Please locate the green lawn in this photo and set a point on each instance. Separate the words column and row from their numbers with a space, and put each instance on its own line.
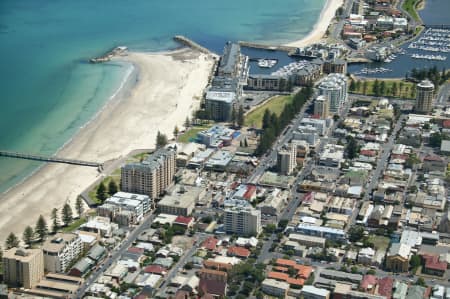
column 74, row 225
column 114, row 176
column 407, row 91
column 275, row 104
column 192, row 133
column 410, row 7
column 380, row 242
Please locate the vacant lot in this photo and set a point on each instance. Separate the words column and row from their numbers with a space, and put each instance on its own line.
column 275, row 104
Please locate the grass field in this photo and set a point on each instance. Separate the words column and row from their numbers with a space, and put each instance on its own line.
column 74, row 225
column 380, row 242
column 114, row 176
column 192, row 133
column 275, row 104
column 410, row 7
column 407, row 91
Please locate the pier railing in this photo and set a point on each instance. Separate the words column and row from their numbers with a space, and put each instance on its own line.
column 18, row 155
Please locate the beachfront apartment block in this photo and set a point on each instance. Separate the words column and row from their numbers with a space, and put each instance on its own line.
column 60, row 250
column 137, row 204
column 334, row 87
column 219, row 104
column 23, row 267
column 424, row 96
column 151, row 176
column 242, row 220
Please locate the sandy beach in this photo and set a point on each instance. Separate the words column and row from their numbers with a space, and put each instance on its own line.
column 320, row 28
column 166, row 88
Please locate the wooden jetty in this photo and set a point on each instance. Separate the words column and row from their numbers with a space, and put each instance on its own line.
column 53, row 159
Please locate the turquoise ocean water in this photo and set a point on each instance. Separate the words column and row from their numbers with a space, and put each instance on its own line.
column 48, row 91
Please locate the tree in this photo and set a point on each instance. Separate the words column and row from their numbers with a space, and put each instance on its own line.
column 435, row 139
column 352, row 148
column 421, row 282
column 79, row 205
column 233, row 116
column 355, row 233
column 11, row 241
column 28, row 235
column 414, row 262
column 101, row 192
column 266, row 119
column 376, row 88
column 112, row 188
column 352, row 86
column 161, row 140
column 187, row 122
column 67, row 214
column 240, row 116
column 176, row 131
column 394, row 89
column 382, row 87
column 365, row 86
column 41, row 227
column 55, row 222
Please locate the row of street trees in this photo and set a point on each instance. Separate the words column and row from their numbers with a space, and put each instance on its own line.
column 41, row 231
column 381, row 88
column 431, row 73
column 273, row 125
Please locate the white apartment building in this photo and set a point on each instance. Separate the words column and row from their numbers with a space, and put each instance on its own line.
column 286, row 159
column 242, row 220
column 135, row 203
column 334, row 87
column 60, row 251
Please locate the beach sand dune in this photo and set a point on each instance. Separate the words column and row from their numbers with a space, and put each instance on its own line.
column 166, row 88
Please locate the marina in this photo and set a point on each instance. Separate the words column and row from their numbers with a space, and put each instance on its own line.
column 291, row 68
column 368, row 71
column 433, row 40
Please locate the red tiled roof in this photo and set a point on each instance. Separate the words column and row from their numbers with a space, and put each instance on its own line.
column 432, row 158
column 210, row 243
column 217, row 265
column 303, row 271
column 368, row 153
column 251, row 189
column 136, row 250
column 368, row 280
column 285, row 262
column 213, row 287
column 277, row 275
column 385, row 286
column 183, row 220
column 238, row 251
column 155, row 269
column 446, row 123
column 432, row 262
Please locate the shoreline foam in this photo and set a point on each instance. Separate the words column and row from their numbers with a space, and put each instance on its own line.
column 84, row 177
column 167, row 82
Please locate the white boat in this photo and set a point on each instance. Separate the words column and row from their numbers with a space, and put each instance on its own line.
column 267, row 63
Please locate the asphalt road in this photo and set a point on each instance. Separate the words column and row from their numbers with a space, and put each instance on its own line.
column 115, row 255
